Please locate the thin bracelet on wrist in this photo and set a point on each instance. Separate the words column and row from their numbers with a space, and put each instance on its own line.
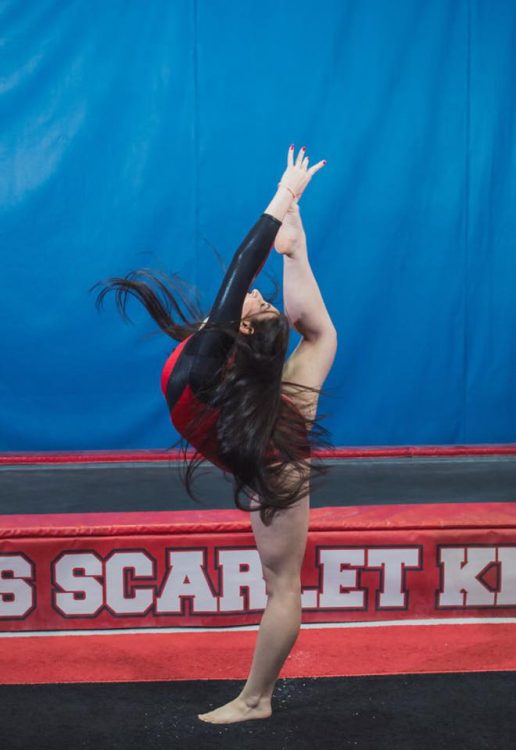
column 280, row 184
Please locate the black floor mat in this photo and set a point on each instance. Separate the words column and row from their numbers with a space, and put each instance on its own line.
column 470, row 711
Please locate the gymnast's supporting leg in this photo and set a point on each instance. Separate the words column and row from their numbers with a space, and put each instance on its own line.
column 281, row 547
column 278, row 632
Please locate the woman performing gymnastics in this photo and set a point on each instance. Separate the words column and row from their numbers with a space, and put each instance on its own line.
column 233, row 397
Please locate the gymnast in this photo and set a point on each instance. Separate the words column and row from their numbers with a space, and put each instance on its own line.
column 233, row 397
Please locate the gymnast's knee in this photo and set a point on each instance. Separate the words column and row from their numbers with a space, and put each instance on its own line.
column 282, row 585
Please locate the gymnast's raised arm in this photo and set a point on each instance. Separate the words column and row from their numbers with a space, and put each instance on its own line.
column 250, row 258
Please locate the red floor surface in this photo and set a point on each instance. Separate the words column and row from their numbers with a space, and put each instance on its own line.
column 326, row 652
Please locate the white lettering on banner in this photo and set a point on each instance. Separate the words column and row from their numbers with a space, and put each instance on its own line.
column 234, row 579
column 125, row 582
column 507, row 567
column 461, row 568
column 339, row 570
column 187, row 577
column 75, row 575
column 123, row 597
column 393, row 563
column 17, row 589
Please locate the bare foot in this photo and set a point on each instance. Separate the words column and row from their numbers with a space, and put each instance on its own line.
column 237, row 710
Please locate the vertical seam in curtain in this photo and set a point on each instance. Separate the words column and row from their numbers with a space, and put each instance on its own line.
column 467, row 198
column 195, row 176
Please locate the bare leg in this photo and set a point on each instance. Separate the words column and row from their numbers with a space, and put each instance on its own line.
column 281, row 547
column 278, row 632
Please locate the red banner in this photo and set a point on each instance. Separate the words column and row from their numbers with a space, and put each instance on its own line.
column 201, row 569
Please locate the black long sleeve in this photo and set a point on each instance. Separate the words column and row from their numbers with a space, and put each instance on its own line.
column 210, row 348
column 245, row 267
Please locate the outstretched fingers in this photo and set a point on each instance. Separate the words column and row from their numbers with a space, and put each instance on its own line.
column 316, row 167
column 297, row 169
column 302, row 161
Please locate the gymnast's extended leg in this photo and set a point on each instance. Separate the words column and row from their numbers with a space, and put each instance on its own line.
column 281, row 547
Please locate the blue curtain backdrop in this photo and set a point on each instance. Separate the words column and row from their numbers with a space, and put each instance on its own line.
column 152, row 134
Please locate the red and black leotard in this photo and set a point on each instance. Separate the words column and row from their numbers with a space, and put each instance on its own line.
column 198, row 359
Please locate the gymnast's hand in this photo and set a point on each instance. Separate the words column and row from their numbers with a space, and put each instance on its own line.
column 297, row 175
column 291, row 236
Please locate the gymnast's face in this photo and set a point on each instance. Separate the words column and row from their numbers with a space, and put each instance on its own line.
column 255, row 308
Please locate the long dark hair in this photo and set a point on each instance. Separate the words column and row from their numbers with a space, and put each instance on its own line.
column 266, row 442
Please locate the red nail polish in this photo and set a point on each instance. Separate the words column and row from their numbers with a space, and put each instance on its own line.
column 303, row 148
column 292, row 146
column 324, row 161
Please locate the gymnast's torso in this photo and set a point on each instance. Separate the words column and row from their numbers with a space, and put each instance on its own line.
column 184, row 404
column 199, row 359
